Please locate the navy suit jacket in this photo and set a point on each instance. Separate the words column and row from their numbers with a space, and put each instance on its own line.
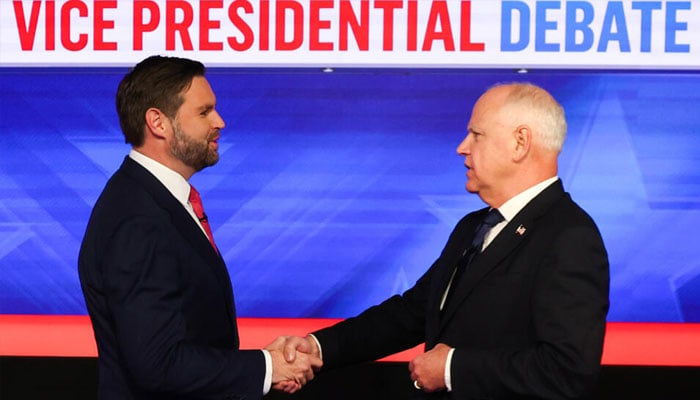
column 527, row 318
column 160, row 299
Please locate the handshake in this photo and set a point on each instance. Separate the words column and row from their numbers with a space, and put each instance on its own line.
column 294, row 361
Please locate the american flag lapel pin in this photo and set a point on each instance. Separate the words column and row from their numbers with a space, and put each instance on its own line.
column 520, row 231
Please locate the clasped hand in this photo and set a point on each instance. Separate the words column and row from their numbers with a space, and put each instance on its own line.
column 294, row 360
column 428, row 369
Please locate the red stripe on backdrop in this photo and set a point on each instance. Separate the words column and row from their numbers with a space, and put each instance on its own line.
column 658, row 344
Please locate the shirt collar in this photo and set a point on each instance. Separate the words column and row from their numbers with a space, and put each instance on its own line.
column 176, row 184
column 512, row 207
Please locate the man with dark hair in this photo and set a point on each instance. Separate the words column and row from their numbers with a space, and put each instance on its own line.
column 515, row 305
column 156, row 82
column 157, row 290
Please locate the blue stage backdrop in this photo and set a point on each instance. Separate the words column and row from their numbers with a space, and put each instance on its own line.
column 338, row 189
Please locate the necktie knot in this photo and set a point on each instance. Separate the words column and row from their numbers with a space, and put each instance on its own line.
column 492, row 218
column 196, row 202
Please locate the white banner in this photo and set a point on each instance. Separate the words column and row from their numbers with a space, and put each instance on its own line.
column 626, row 34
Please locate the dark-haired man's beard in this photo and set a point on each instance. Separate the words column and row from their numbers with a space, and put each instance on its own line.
column 192, row 152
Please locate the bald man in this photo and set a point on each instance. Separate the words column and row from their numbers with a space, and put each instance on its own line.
column 515, row 305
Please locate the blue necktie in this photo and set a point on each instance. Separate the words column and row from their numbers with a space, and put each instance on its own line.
column 492, row 218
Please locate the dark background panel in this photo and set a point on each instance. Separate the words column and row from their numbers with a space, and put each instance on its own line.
column 27, row 378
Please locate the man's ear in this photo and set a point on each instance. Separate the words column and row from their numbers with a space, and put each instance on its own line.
column 523, row 141
column 157, row 123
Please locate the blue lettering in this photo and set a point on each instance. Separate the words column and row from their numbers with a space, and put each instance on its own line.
column 573, row 26
column 673, row 26
column 614, row 14
column 647, row 8
column 542, row 26
column 507, row 9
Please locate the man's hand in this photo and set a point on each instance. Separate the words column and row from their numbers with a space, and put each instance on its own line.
column 294, row 344
column 428, row 369
column 291, row 369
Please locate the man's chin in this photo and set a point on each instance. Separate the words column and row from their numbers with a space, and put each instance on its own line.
column 208, row 162
column 212, row 158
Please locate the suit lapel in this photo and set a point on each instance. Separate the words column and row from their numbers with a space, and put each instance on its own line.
column 519, row 228
column 449, row 259
column 184, row 224
column 462, row 243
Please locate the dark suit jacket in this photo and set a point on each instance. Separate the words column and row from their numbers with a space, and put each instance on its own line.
column 527, row 318
column 160, row 299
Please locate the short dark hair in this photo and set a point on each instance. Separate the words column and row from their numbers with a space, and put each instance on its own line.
column 156, row 82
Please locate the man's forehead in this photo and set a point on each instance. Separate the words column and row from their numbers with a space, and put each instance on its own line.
column 199, row 90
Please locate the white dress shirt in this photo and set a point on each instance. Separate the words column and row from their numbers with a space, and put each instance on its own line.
column 176, row 184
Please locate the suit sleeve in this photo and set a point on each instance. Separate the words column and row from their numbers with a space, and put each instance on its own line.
column 144, row 288
column 397, row 324
column 569, row 305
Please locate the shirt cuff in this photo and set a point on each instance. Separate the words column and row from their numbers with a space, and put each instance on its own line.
column 318, row 345
column 267, row 384
column 448, row 369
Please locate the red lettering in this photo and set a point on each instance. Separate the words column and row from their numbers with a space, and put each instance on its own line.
column 412, row 26
column 66, row 41
column 388, row 7
column 171, row 26
column 206, row 24
column 465, row 43
column 101, row 25
column 27, row 33
column 316, row 24
column 50, row 25
column 298, row 34
column 439, row 11
column 264, row 25
column 247, row 32
column 139, row 25
column 360, row 30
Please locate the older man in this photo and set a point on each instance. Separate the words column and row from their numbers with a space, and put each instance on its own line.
column 515, row 305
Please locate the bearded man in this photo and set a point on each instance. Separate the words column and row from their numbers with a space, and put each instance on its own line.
column 157, row 290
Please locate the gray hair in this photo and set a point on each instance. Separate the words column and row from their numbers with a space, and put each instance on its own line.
column 547, row 113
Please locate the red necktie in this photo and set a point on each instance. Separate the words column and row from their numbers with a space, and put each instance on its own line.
column 196, row 202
